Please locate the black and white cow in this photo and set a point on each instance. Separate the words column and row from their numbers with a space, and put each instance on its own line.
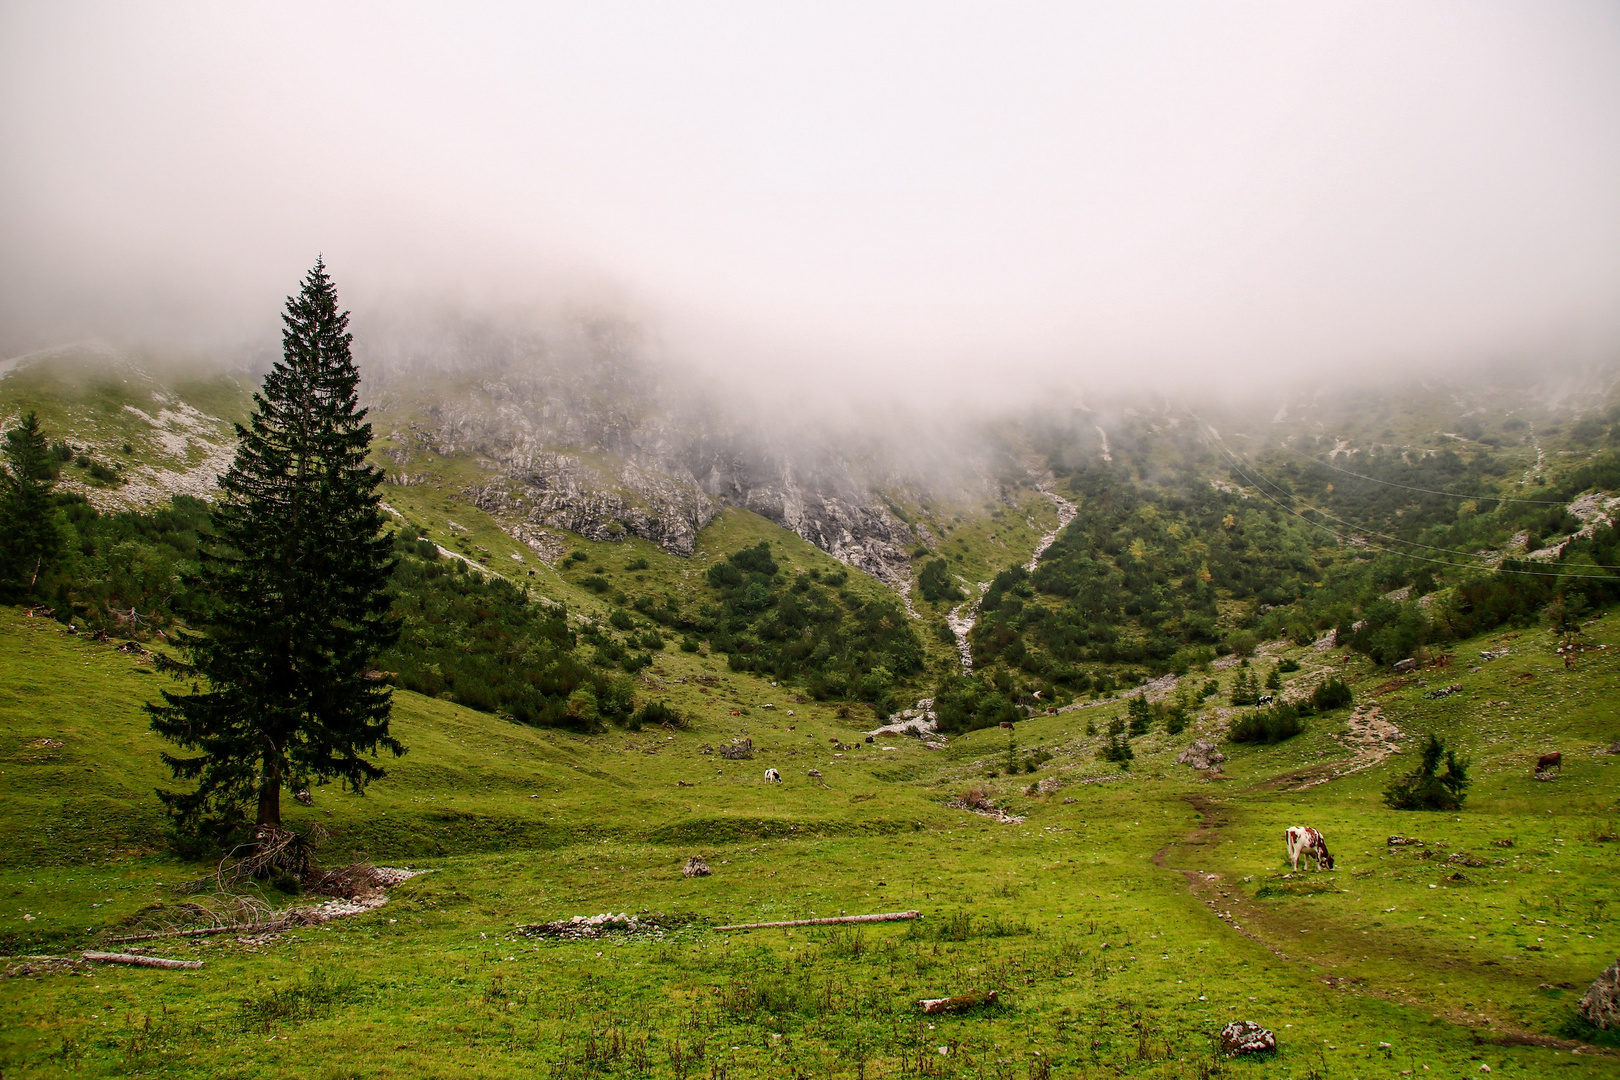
column 1306, row 843
column 772, row 776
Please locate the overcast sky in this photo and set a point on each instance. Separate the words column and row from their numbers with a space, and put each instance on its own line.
column 1039, row 193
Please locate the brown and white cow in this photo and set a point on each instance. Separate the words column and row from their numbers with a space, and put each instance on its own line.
column 1306, row 843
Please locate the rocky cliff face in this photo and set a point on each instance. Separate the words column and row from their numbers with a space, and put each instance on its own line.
column 586, row 438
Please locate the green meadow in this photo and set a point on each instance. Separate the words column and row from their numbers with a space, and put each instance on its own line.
column 1121, row 923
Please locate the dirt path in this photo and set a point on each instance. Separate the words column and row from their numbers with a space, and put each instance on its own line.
column 1209, row 887
column 1244, row 915
column 1370, row 739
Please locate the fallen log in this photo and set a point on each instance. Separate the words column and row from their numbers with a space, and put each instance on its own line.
column 140, row 961
column 890, row 916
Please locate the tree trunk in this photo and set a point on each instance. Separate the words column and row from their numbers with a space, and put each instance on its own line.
column 141, row 961
column 270, row 794
column 888, row 916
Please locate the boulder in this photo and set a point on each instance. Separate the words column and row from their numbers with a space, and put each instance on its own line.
column 1601, row 1003
column 1246, row 1037
column 1614, row 747
column 696, row 866
column 1202, row 754
column 1404, row 666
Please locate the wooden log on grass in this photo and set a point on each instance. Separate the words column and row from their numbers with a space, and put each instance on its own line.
column 889, row 916
column 141, row 961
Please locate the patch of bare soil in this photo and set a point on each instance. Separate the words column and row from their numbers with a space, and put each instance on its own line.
column 1368, row 736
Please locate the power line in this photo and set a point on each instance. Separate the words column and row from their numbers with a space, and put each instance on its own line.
column 1426, row 491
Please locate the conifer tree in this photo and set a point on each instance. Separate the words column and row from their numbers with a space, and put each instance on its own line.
column 30, row 528
column 295, row 606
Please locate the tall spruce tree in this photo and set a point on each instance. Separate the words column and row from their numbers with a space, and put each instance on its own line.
column 295, row 605
column 30, row 526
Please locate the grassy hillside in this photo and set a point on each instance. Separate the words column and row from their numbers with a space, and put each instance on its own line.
column 1105, row 962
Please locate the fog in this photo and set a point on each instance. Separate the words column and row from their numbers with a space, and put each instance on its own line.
column 935, row 201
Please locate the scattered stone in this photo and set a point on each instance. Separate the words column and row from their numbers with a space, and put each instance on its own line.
column 1614, row 747
column 595, row 926
column 960, row 1003
column 1202, row 754
column 1070, row 799
column 696, row 866
column 47, row 965
column 1454, row 688
column 1403, row 841
column 738, row 750
column 1600, row 1005
column 1246, row 1037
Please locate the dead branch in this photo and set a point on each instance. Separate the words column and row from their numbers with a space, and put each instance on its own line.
column 890, row 916
column 140, row 961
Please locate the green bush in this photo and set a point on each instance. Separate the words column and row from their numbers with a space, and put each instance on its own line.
column 1268, row 726
column 1140, row 713
column 596, row 583
column 1118, row 749
column 1426, row 787
column 656, row 714
column 1333, row 693
column 936, row 584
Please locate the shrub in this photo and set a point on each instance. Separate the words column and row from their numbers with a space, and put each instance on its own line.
column 1140, row 713
column 1426, row 787
column 596, row 583
column 1331, row 694
column 620, row 620
column 1268, row 726
column 577, row 556
column 690, row 644
column 638, row 563
column 1118, row 749
column 657, row 714
column 936, row 584
column 1245, row 688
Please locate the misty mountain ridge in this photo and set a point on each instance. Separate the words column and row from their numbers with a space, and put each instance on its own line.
column 577, row 430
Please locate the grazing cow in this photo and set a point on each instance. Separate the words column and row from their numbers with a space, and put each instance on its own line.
column 1549, row 762
column 772, row 776
column 1306, row 843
